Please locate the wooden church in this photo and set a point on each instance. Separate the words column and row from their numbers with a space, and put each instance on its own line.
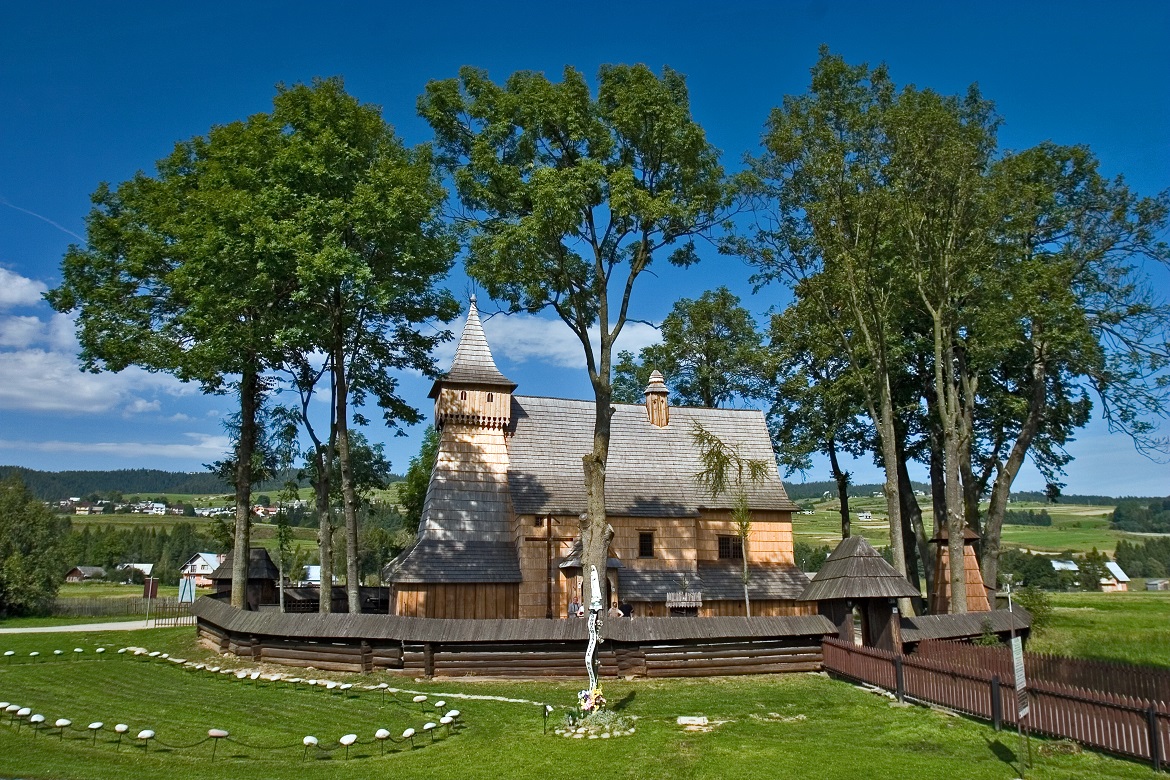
column 499, row 531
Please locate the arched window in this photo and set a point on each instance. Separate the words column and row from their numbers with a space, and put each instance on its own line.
column 462, row 395
column 489, row 398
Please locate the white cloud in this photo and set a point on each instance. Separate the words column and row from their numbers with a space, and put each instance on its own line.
column 180, row 417
column 40, row 380
column 140, row 405
column 523, row 338
column 17, row 290
column 21, row 332
column 200, row 447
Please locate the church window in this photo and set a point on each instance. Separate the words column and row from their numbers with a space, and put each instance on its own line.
column 489, row 398
column 646, row 544
column 462, row 395
column 730, row 548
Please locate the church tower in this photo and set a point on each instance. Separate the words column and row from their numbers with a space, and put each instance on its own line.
column 466, row 550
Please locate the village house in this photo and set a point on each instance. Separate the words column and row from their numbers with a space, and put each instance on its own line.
column 499, row 532
column 199, row 568
column 1115, row 579
column 83, row 573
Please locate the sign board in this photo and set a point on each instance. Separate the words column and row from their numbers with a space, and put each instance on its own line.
column 150, row 588
column 186, row 590
column 1021, row 682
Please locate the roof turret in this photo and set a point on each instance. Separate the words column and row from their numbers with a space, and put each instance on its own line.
column 473, row 363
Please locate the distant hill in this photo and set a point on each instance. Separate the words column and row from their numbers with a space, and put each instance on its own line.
column 806, row 490
column 54, row 485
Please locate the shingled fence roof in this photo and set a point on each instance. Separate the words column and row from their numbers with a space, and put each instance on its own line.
column 342, row 626
column 856, row 571
column 260, row 566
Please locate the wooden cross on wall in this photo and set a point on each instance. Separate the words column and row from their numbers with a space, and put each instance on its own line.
column 548, row 540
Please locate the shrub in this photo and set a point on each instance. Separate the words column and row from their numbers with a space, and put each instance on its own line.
column 1038, row 603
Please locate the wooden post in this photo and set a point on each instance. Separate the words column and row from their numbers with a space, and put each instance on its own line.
column 996, row 704
column 899, row 679
column 1155, row 738
column 428, row 660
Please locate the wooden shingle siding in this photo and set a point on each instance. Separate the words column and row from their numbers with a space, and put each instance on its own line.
column 457, row 600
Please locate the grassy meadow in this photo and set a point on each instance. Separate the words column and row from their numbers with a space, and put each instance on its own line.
column 801, row 725
column 1132, row 627
column 1074, row 527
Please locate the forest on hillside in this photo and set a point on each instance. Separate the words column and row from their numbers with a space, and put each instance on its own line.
column 55, row 485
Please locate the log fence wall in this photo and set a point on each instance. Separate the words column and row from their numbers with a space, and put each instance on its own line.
column 651, row 647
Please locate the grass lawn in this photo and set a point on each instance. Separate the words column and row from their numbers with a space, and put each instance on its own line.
column 1129, row 627
column 1074, row 527
column 799, row 726
column 103, row 590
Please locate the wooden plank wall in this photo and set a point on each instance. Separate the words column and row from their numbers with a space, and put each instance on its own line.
column 458, row 600
column 761, row 608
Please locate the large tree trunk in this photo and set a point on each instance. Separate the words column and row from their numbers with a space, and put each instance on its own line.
column 842, row 480
column 245, row 447
column 323, row 461
column 348, row 489
column 887, row 433
column 1037, row 408
column 916, row 541
column 594, row 543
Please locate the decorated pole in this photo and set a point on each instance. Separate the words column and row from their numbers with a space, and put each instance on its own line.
column 595, row 607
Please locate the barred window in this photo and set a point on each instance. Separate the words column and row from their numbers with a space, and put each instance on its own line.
column 646, row 544
column 730, row 548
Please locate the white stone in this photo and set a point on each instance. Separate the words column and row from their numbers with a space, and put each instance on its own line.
column 692, row 720
column 381, row 734
column 216, row 733
column 146, row 734
column 348, row 739
column 310, row 741
column 121, row 728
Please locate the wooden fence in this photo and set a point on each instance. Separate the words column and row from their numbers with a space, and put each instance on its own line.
column 1126, row 725
column 115, row 607
column 1143, row 682
column 643, row 647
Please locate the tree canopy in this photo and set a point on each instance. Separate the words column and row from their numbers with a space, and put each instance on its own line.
column 32, row 553
column 710, row 354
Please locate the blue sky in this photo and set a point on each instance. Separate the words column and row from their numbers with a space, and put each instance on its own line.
column 94, row 92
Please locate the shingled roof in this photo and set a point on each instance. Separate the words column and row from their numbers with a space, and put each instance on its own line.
column 651, row 470
column 260, row 566
column 856, row 571
column 431, row 560
column 473, row 363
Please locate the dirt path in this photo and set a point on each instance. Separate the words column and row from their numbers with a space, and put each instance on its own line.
column 122, row 625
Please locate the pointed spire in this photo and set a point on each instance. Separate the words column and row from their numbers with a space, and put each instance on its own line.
column 473, row 363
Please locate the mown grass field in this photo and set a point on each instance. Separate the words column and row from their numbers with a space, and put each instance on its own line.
column 1074, row 527
column 800, row 726
column 1131, row 627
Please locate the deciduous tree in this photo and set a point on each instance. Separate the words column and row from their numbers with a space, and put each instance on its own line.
column 569, row 200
